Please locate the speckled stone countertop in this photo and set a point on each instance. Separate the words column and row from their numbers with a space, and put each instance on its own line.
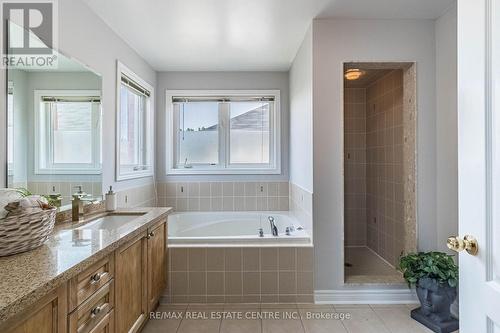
column 27, row 277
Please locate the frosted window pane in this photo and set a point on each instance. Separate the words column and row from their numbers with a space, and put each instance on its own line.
column 72, row 132
column 249, row 132
column 198, row 133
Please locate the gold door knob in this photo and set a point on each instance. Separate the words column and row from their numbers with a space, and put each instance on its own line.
column 469, row 244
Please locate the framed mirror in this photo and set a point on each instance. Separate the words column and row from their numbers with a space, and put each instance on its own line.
column 54, row 121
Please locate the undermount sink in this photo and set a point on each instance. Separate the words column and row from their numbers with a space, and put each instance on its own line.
column 110, row 222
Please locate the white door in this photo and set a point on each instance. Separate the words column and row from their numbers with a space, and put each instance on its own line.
column 479, row 162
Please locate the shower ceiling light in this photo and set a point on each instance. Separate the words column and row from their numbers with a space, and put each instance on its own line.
column 353, row 74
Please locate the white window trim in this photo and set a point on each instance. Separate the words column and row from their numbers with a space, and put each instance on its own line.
column 39, row 170
column 240, row 169
column 122, row 69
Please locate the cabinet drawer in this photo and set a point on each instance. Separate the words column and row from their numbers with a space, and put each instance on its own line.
column 89, row 281
column 89, row 315
column 106, row 325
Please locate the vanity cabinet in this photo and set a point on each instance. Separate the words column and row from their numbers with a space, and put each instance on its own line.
column 131, row 285
column 49, row 315
column 141, row 273
column 157, row 263
column 114, row 294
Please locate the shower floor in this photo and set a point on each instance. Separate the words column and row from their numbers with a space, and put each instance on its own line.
column 365, row 266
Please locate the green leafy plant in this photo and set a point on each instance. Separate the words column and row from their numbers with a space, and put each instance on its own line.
column 26, row 193
column 438, row 266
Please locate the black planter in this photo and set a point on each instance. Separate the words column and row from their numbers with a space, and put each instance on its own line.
column 434, row 311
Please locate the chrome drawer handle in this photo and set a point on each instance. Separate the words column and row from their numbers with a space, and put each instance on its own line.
column 95, row 311
column 95, row 278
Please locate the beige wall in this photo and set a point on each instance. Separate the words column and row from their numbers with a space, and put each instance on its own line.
column 355, row 166
column 385, row 188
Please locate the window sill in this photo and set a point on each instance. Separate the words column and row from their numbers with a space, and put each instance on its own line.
column 68, row 172
column 240, row 171
column 134, row 175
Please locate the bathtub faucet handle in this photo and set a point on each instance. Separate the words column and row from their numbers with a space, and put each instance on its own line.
column 261, row 232
column 287, row 231
column 274, row 229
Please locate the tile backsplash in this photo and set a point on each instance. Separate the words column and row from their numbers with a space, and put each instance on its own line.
column 224, row 196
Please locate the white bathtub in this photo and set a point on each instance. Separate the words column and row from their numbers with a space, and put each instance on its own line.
column 238, row 229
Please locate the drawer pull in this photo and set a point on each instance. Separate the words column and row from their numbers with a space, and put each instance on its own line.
column 95, row 278
column 151, row 234
column 95, row 311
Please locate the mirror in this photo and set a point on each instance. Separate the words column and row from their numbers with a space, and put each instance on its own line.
column 54, row 122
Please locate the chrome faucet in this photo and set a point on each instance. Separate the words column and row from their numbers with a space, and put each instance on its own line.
column 274, row 229
column 77, row 204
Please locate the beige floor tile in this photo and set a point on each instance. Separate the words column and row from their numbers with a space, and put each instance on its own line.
column 199, row 326
column 366, row 266
column 282, row 326
column 241, row 326
column 363, row 320
column 322, row 318
column 397, row 319
column 162, row 326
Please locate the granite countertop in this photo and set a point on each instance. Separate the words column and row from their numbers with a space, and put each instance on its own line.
column 27, row 277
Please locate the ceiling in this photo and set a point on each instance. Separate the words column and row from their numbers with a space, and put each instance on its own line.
column 370, row 75
column 201, row 35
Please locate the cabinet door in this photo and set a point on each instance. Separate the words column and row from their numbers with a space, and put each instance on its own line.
column 157, row 264
column 47, row 316
column 131, row 286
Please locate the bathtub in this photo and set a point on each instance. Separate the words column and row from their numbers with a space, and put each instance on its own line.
column 238, row 229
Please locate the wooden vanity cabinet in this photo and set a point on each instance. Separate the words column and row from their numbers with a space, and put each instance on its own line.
column 49, row 315
column 131, row 303
column 140, row 274
column 157, row 263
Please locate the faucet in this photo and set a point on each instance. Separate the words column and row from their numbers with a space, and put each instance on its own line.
column 77, row 204
column 274, row 229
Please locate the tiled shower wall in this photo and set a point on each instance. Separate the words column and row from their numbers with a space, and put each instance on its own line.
column 355, row 166
column 385, row 188
column 224, row 196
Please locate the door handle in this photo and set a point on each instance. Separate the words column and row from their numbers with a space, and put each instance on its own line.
column 468, row 243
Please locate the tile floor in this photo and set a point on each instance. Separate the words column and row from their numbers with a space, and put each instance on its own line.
column 202, row 318
column 367, row 267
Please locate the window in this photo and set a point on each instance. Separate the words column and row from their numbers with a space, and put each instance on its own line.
column 134, row 123
column 68, row 126
column 231, row 132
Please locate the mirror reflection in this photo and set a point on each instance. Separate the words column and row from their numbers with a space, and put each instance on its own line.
column 54, row 130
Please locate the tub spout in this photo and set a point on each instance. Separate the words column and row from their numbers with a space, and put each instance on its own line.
column 274, row 229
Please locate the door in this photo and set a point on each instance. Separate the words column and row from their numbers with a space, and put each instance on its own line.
column 157, row 259
column 48, row 315
column 131, row 286
column 479, row 162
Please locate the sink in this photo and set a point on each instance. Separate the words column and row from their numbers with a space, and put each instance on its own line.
column 110, row 222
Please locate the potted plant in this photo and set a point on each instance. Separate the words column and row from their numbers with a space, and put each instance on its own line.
column 435, row 276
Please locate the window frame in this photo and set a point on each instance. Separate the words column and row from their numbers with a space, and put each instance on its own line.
column 224, row 167
column 60, row 168
column 127, row 173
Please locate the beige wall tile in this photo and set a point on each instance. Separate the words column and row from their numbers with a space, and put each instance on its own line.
column 233, row 283
column 269, row 259
column 233, row 259
column 215, row 259
column 269, row 283
column 251, row 283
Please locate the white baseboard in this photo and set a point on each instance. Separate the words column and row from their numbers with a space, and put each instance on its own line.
column 366, row 296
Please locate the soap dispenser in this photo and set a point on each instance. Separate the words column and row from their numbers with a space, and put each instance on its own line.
column 110, row 200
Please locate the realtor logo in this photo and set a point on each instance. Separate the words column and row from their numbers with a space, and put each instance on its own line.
column 29, row 34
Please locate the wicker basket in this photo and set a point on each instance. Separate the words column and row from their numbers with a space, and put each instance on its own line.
column 21, row 233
